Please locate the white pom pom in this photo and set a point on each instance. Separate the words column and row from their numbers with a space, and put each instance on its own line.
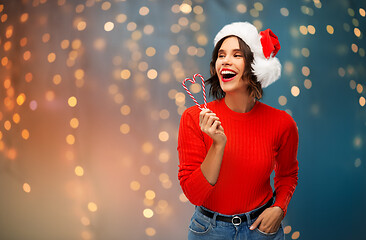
column 266, row 70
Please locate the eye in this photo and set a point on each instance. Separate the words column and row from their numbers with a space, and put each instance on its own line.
column 238, row 55
column 221, row 56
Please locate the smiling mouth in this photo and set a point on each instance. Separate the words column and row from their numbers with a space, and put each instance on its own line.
column 227, row 75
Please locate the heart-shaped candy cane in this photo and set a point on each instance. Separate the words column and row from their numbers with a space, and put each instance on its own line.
column 203, row 89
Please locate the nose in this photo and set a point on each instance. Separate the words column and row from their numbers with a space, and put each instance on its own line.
column 226, row 60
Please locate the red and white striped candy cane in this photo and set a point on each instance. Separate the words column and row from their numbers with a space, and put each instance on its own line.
column 203, row 89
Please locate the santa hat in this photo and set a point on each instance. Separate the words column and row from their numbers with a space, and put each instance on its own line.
column 264, row 46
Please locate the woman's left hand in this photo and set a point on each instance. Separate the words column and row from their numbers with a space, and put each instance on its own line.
column 269, row 221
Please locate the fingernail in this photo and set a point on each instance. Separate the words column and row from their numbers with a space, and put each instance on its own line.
column 251, row 228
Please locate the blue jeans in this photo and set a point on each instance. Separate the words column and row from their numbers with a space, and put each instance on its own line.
column 203, row 227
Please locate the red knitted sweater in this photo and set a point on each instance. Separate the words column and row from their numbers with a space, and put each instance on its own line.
column 258, row 142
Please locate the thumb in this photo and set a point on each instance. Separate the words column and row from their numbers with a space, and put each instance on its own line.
column 256, row 223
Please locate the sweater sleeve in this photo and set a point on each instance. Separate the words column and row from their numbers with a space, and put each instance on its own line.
column 286, row 169
column 192, row 152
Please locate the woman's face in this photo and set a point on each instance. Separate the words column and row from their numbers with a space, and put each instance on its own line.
column 230, row 64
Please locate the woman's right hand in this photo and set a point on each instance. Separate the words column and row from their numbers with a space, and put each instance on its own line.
column 211, row 125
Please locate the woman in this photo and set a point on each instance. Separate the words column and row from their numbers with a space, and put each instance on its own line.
column 228, row 151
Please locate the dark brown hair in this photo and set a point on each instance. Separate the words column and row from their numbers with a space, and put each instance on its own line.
column 254, row 87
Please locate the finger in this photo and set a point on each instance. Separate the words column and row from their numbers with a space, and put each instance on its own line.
column 256, row 223
column 213, row 128
column 203, row 112
column 211, row 120
column 206, row 118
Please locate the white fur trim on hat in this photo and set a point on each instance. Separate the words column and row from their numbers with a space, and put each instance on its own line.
column 266, row 70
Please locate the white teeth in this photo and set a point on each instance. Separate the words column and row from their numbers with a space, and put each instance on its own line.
column 227, row 72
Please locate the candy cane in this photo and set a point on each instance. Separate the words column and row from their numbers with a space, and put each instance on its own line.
column 203, row 89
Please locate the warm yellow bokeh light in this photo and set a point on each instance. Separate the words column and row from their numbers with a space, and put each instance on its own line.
column 70, row 139
column 79, row 171
column 85, row 221
column 295, row 91
column 164, row 156
column 202, row 40
column 303, row 30
column 106, row 5
column 164, row 114
column 282, row 100
column 307, row 84
column 362, row 12
column 92, row 206
column 125, row 110
column 21, row 99
column 79, row 74
column 287, row 229
column 108, row 26
column 16, row 118
column 24, row 17
column 76, row 44
column 125, row 74
column 26, row 188
column 74, row 123
column 284, row 12
column 7, row 46
column 124, row 128
column 65, row 44
column 295, row 235
column 150, row 194
column 163, row 136
column 311, row 29
column 150, row 231
column 72, row 101
column 152, row 74
column 148, row 213
column 25, row 134
column 354, row 48
column 362, row 101
column 163, row 177
column 305, row 71
column 121, row 18
column 135, row 185
column 51, row 57
column 7, row 125
column 150, row 51
column 185, row 8
column 145, row 170
column 144, row 11
column 148, row 29
column 46, row 37
column 23, row 42
column 50, row 95
column 174, row 50
column 28, row 77
column 241, row 8
column 357, row 32
column 359, row 88
column 81, row 25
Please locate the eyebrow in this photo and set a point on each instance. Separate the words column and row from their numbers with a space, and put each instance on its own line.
column 234, row 50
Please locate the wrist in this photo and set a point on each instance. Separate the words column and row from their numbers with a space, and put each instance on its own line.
column 218, row 145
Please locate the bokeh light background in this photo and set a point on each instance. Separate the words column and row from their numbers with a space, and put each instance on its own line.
column 91, row 101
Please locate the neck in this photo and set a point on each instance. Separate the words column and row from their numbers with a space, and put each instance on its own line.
column 241, row 103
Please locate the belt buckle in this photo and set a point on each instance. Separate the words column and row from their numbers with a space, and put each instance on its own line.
column 236, row 224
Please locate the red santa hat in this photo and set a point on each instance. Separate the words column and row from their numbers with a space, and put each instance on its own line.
column 264, row 46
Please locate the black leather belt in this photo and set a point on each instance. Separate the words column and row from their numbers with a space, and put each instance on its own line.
column 236, row 219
